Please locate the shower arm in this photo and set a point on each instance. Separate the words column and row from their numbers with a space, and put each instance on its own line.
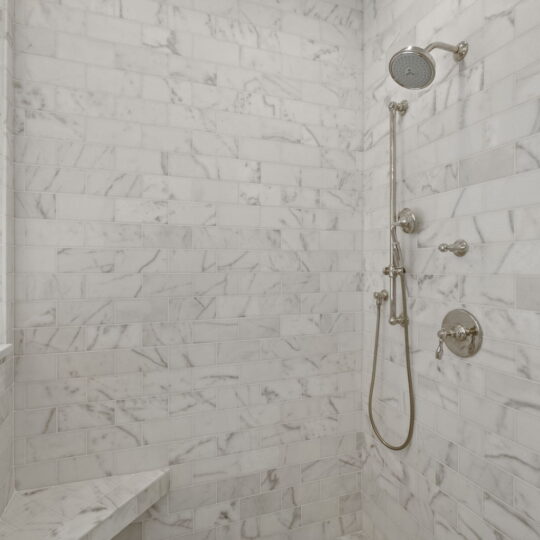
column 443, row 46
column 459, row 50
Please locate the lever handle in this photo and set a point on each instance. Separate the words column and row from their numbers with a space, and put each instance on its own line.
column 459, row 333
column 442, row 334
column 459, row 248
column 440, row 350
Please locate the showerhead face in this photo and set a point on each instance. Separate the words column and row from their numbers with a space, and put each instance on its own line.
column 412, row 68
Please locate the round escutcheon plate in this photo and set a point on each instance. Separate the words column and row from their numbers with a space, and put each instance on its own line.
column 471, row 344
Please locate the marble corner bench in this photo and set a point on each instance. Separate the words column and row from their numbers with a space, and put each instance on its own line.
column 90, row 510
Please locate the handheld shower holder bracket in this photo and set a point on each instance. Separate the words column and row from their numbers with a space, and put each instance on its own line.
column 406, row 219
column 393, row 271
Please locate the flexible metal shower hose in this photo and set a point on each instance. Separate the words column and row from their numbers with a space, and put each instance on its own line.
column 409, row 374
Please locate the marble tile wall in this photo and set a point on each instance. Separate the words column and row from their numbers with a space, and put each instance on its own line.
column 6, row 250
column 188, row 285
column 469, row 163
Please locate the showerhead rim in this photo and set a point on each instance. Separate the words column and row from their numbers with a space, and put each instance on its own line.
column 414, row 49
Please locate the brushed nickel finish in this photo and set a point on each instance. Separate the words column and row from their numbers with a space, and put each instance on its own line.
column 459, row 248
column 414, row 67
column 395, row 265
column 406, row 219
column 461, row 333
column 395, row 270
column 460, row 50
column 380, row 296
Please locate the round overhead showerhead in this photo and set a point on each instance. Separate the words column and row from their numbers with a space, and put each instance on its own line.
column 412, row 68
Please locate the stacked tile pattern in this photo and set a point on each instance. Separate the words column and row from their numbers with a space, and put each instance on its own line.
column 188, row 283
column 6, row 250
column 469, row 162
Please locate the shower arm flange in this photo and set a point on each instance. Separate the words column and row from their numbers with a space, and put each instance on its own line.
column 460, row 50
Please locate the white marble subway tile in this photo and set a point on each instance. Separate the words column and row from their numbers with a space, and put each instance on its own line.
column 141, row 409
column 163, row 382
column 145, row 458
column 131, row 210
column 526, row 497
column 141, row 359
column 112, row 336
column 112, row 234
column 140, row 160
column 52, row 340
column 35, row 422
column 112, row 387
column 156, row 334
column 161, row 187
column 35, row 205
column 192, row 308
column 53, row 446
column 528, row 154
column 80, row 468
column 74, row 417
column 57, row 18
column 162, row 284
column 118, row 437
column 120, row 285
column 166, row 236
column 203, row 214
column 527, row 293
column 511, row 457
column 489, row 477
column 80, row 313
column 506, row 519
column 527, row 432
column 192, row 449
column 51, row 70
column 460, row 430
column 108, row 183
column 82, row 102
column 85, row 364
column 49, row 179
column 138, row 311
column 167, row 41
column 186, row 356
column 192, row 497
column 495, row 290
column 40, row 232
column 35, row 314
column 197, row 401
column 158, row 431
column 34, row 368
column 487, row 227
column 81, row 48
column 488, row 414
column 82, row 207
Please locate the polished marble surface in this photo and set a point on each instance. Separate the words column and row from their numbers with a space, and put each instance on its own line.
column 89, row 510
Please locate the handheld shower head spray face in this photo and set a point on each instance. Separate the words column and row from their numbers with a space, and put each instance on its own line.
column 412, row 68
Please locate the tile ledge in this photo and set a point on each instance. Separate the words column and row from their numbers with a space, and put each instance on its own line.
column 96, row 509
column 5, row 350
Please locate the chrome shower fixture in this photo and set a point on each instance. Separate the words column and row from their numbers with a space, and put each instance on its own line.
column 414, row 68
